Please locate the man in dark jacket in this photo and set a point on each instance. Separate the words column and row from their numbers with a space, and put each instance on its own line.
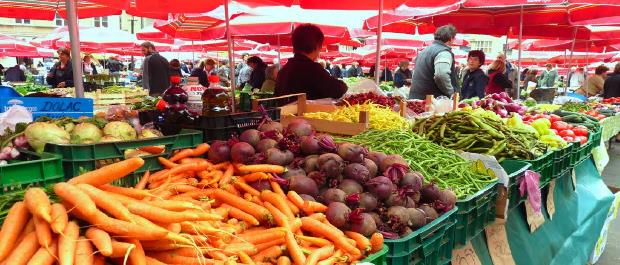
column 302, row 74
column 14, row 74
column 402, row 76
column 474, row 81
column 155, row 70
column 611, row 88
column 434, row 72
column 336, row 71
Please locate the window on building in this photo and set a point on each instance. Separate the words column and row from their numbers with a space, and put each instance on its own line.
column 59, row 20
column 484, row 45
column 101, row 22
column 22, row 21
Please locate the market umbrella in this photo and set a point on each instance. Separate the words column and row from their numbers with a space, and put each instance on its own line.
column 11, row 43
column 198, row 6
column 563, row 45
column 38, row 52
column 153, row 34
column 412, row 40
column 47, row 9
column 99, row 39
column 190, row 26
column 217, row 45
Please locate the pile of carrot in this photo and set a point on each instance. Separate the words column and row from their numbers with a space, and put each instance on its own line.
column 192, row 212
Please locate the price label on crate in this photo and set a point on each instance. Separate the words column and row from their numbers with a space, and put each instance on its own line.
column 465, row 256
column 550, row 200
column 497, row 242
column 534, row 219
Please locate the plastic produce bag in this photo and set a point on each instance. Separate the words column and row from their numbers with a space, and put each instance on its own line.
column 14, row 115
column 442, row 105
column 530, row 184
column 365, row 86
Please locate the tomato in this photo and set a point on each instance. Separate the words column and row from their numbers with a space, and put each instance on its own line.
column 582, row 139
column 600, row 116
column 570, row 126
column 581, row 131
column 553, row 118
column 559, row 125
column 568, row 139
column 567, row 133
column 592, row 113
column 161, row 104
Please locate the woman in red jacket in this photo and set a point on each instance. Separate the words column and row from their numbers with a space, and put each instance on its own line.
column 498, row 81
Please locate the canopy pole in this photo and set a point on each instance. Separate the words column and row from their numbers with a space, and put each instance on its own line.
column 74, row 36
column 570, row 60
column 379, row 33
column 520, row 40
column 231, row 60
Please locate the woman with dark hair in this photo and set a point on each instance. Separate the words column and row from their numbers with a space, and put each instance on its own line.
column 175, row 68
column 611, row 89
column 61, row 74
column 595, row 84
column 200, row 72
column 258, row 72
column 474, row 81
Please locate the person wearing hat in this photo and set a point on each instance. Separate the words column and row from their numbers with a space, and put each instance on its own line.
column 61, row 74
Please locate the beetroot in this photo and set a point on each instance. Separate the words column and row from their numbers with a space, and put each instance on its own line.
column 380, row 186
column 242, row 152
column 417, row 218
column 333, row 195
column 410, row 203
column 396, row 199
column 376, row 157
column 363, row 224
column 310, row 163
column 446, row 201
column 429, row 193
column 303, row 185
column 270, row 126
column 264, row 145
column 307, row 197
column 288, row 157
column 318, row 177
column 350, row 186
column 377, row 218
column 357, row 172
column 396, row 171
column 331, row 165
column 368, row 202
column 260, row 185
column 299, row 129
column 351, row 152
column 337, row 214
column 371, row 166
column 293, row 172
column 390, row 160
column 250, row 136
column 298, row 120
column 275, row 157
column 430, row 212
column 310, row 145
column 219, row 152
column 398, row 217
column 412, row 180
column 326, row 143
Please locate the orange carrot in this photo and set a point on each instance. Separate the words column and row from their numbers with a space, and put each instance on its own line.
column 99, row 260
column 101, row 239
column 109, row 173
column 67, row 244
column 226, row 178
column 361, row 241
column 295, row 225
column 314, row 207
column 256, row 176
column 24, row 251
column 158, row 174
column 126, row 229
column 245, row 259
column 317, row 241
column 164, row 216
column 262, row 236
column 13, row 224
column 84, row 252
column 155, row 149
column 220, row 166
column 38, row 203
column 59, row 218
column 241, row 215
column 121, row 249
column 262, row 246
column 295, row 198
column 171, row 258
column 137, row 256
column 265, row 168
column 173, row 205
column 106, row 202
column 129, row 192
column 376, row 242
column 328, row 232
column 279, row 218
column 247, row 188
column 201, row 149
column 283, row 260
column 320, row 254
column 43, row 231
column 166, row 163
column 152, row 261
column 294, row 250
column 277, row 201
column 333, row 259
column 268, row 255
column 144, row 180
column 259, row 212
column 80, row 200
column 45, row 256
column 27, row 229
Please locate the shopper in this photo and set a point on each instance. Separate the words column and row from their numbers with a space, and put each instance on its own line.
column 88, row 67
column 595, row 84
column 245, row 72
column 523, row 74
column 271, row 75
column 14, row 74
column 402, row 76
column 372, row 70
column 258, row 72
column 155, row 73
column 435, row 73
column 61, row 74
column 115, row 67
column 549, row 77
column 611, row 89
column 474, row 80
column 576, row 77
column 203, row 78
column 302, row 74
column 498, row 81
column 386, row 75
column 336, row 71
column 175, row 68
column 355, row 70
column 223, row 73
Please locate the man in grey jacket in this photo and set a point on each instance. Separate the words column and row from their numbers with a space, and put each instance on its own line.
column 155, row 70
column 435, row 72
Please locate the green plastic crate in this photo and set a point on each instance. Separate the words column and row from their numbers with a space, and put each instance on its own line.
column 379, row 257
column 77, row 159
column 583, row 152
column 543, row 165
column 561, row 160
column 31, row 170
column 430, row 245
column 475, row 213
column 515, row 170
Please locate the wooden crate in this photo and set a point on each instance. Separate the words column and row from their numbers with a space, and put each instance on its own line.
column 102, row 101
column 298, row 109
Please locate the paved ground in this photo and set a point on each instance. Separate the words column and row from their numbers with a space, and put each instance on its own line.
column 611, row 256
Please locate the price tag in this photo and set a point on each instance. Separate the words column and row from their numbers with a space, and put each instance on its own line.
column 497, row 242
column 535, row 220
column 465, row 256
column 574, row 177
column 550, row 200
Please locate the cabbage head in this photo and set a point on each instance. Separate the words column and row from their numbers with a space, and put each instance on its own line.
column 121, row 130
column 40, row 133
column 86, row 133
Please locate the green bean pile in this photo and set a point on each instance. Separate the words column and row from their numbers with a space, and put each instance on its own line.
column 438, row 164
column 468, row 132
